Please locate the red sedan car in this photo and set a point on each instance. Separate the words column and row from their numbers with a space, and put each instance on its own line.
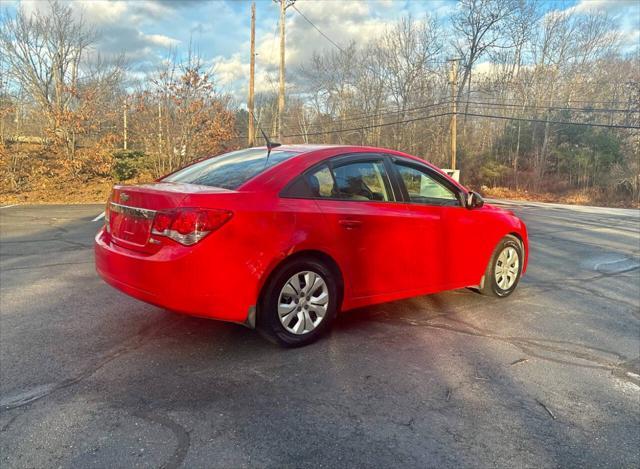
column 283, row 240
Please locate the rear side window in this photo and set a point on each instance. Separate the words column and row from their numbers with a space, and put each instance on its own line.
column 229, row 170
column 361, row 180
column 358, row 180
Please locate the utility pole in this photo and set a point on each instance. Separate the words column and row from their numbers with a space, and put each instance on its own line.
column 159, row 126
column 252, row 72
column 284, row 4
column 124, row 133
column 453, row 78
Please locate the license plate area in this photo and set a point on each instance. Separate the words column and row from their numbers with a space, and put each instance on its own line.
column 130, row 224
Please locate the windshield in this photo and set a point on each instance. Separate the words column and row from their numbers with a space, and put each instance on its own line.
column 229, row 170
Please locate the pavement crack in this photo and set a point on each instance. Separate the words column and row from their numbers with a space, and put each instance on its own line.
column 567, row 353
column 603, row 296
column 27, row 397
column 24, row 241
column 534, row 346
column 408, row 424
column 182, row 436
column 6, row 426
column 42, row 266
column 77, row 243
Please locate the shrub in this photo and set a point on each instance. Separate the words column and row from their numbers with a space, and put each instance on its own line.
column 127, row 164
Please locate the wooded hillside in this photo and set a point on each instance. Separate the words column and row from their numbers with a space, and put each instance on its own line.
column 546, row 103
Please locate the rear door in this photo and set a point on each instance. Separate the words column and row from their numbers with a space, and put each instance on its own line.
column 359, row 208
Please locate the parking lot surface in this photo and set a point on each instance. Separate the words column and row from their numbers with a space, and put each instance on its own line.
column 549, row 377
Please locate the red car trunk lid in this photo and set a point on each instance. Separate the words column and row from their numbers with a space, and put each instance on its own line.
column 133, row 208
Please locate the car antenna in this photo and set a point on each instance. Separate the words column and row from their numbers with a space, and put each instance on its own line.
column 270, row 144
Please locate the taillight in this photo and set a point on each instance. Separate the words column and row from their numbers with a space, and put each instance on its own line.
column 189, row 225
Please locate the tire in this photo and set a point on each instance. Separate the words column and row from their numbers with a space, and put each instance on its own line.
column 500, row 285
column 305, row 317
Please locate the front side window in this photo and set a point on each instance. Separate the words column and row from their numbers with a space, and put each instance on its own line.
column 230, row 170
column 424, row 188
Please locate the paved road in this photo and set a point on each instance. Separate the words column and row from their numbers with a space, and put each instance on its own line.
column 548, row 377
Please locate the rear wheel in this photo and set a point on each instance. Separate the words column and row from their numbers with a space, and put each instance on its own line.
column 299, row 303
column 505, row 267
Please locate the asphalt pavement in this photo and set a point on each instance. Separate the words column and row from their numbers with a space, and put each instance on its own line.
column 549, row 377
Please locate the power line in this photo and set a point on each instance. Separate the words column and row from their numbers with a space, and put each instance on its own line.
column 354, row 129
column 483, row 104
column 468, row 114
column 384, row 112
column 555, row 108
column 443, row 103
column 545, row 121
column 318, row 29
column 377, row 114
column 611, row 102
column 438, row 62
column 372, row 126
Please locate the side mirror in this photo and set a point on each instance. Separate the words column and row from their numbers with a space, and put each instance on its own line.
column 474, row 200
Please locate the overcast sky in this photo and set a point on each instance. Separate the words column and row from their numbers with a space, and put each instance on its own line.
column 146, row 30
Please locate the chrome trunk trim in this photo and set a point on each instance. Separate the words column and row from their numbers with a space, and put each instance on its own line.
column 132, row 211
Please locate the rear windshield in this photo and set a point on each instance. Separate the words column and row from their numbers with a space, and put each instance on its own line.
column 230, row 170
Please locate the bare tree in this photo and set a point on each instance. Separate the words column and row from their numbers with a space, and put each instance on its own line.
column 407, row 51
column 45, row 52
column 480, row 27
column 545, row 71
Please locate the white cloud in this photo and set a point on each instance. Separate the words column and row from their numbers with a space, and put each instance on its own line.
column 146, row 29
column 625, row 12
column 161, row 40
column 101, row 12
column 229, row 69
column 232, row 76
column 610, row 6
column 343, row 22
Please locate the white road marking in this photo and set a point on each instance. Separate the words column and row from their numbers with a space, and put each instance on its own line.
column 633, row 212
column 99, row 217
column 610, row 262
column 7, row 206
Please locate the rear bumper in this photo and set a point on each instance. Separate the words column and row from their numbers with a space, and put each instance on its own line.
column 176, row 278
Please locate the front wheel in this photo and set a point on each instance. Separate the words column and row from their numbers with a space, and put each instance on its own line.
column 299, row 303
column 505, row 268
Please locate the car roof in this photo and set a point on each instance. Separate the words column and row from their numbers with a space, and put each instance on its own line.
column 316, row 153
column 303, row 148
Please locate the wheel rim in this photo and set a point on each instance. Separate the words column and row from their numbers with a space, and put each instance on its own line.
column 303, row 302
column 507, row 268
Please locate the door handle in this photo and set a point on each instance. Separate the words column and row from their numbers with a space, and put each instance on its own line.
column 349, row 224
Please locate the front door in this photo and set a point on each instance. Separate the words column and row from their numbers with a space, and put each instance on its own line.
column 438, row 220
